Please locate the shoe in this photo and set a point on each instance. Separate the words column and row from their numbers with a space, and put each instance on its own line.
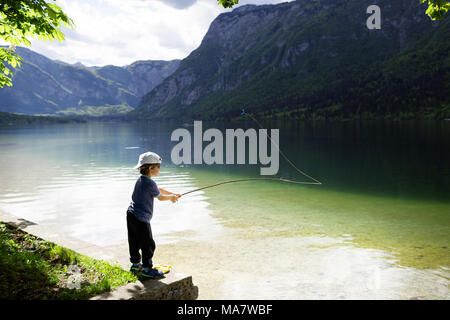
column 136, row 267
column 152, row 274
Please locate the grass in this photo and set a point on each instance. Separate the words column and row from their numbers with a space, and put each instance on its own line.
column 32, row 268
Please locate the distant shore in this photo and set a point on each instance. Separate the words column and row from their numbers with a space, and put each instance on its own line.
column 10, row 119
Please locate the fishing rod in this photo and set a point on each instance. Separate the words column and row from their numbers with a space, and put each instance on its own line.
column 250, row 179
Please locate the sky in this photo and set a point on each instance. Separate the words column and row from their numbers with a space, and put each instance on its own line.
column 119, row 32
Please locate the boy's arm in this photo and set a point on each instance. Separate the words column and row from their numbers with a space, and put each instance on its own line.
column 164, row 192
column 171, row 197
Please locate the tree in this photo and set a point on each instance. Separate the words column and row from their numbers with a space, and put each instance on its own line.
column 436, row 8
column 228, row 3
column 22, row 19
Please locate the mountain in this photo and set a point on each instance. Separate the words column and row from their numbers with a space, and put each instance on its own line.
column 45, row 86
column 312, row 59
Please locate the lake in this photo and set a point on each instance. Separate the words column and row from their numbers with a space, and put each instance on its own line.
column 377, row 227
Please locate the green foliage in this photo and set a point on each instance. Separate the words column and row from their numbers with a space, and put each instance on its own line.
column 436, row 8
column 228, row 3
column 20, row 20
column 32, row 268
column 7, row 54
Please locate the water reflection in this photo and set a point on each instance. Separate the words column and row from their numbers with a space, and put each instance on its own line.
column 90, row 204
column 384, row 200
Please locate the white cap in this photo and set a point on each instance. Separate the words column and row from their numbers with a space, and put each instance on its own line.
column 148, row 157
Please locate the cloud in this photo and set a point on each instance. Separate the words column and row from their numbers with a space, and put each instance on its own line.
column 169, row 37
column 120, row 32
column 179, row 4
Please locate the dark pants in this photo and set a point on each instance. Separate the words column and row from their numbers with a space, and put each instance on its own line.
column 140, row 237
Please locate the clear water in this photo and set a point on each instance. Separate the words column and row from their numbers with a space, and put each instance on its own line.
column 385, row 196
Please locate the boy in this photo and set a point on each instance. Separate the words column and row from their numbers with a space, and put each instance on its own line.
column 140, row 212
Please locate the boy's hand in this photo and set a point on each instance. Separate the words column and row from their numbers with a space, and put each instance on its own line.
column 175, row 197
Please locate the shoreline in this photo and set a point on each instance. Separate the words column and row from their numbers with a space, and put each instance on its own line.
column 35, row 269
column 174, row 286
column 237, row 266
column 245, row 263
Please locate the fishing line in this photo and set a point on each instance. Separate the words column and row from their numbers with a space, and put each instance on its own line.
column 286, row 158
column 250, row 179
column 247, row 179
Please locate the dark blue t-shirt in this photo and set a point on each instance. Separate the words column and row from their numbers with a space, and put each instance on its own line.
column 142, row 199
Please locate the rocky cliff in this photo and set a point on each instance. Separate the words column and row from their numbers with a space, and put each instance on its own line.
column 311, row 58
